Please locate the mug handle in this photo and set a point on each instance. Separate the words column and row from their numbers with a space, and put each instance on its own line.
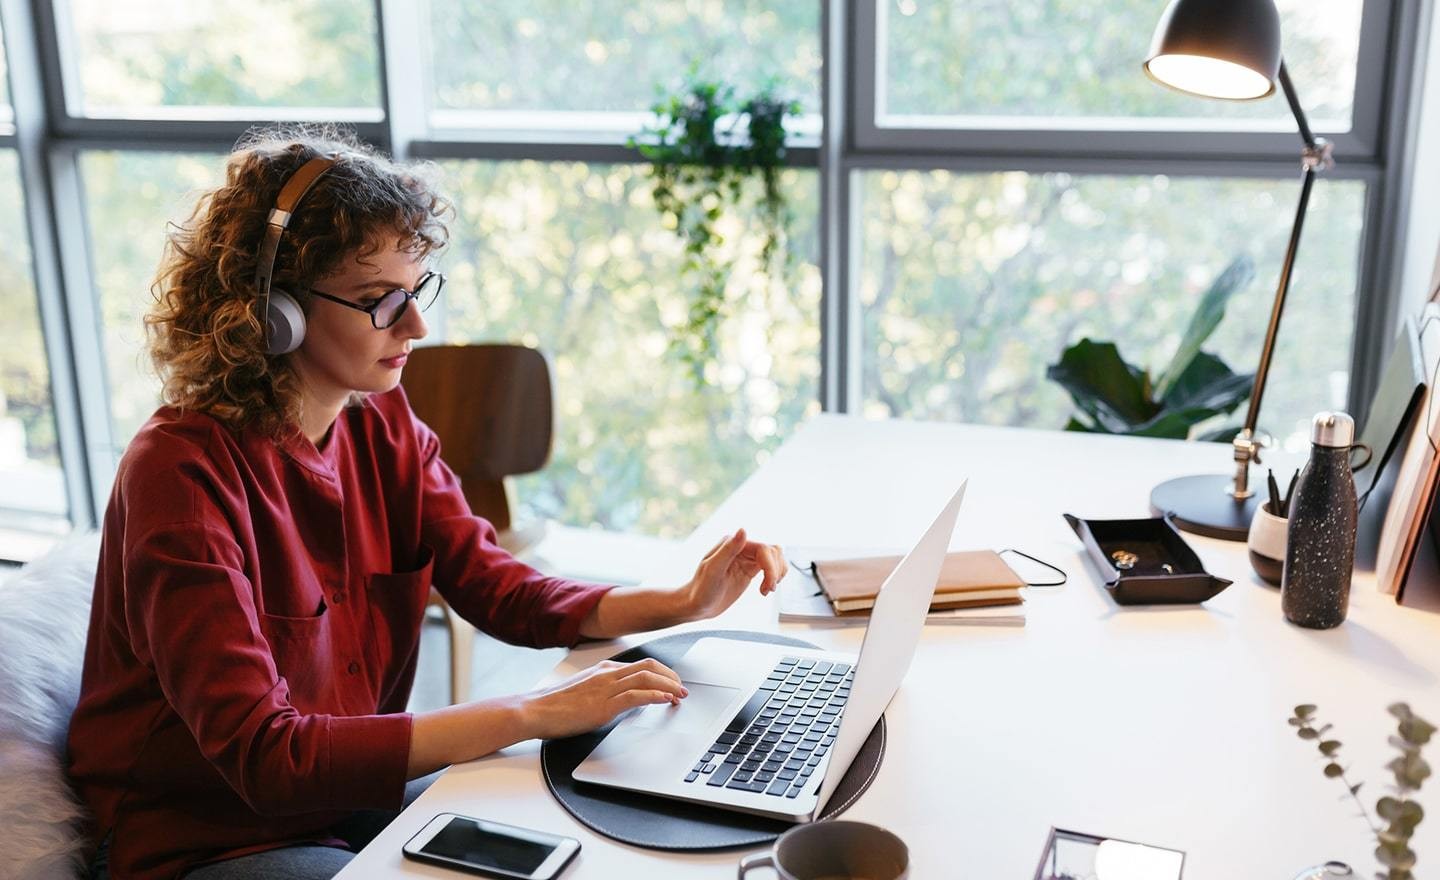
column 755, row 860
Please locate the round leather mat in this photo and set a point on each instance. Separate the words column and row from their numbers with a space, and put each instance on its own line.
column 661, row 823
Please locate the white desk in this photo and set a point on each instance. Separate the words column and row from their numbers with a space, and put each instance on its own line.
column 1162, row 725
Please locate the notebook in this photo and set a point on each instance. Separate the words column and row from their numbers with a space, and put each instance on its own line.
column 968, row 579
column 800, row 600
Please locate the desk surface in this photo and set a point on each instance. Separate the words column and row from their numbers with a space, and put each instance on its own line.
column 1162, row 725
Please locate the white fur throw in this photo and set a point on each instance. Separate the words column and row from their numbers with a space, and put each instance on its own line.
column 44, row 616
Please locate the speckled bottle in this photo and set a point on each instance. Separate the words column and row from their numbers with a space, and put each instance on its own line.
column 1320, row 544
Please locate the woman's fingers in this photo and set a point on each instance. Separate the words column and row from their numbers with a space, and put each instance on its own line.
column 763, row 559
column 630, row 699
column 647, row 680
column 652, row 665
column 713, row 550
column 778, row 567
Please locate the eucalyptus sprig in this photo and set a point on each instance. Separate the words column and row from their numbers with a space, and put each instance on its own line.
column 700, row 161
column 1397, row 809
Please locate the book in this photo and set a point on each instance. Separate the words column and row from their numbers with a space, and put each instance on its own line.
column 967, row 579
column 801, row 600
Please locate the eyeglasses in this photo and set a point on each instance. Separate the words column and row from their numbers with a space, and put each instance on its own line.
column 390, row 307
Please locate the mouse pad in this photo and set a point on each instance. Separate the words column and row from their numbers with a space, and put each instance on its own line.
column 661, row 823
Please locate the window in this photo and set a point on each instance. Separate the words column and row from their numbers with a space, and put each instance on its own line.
column 571, row 258
column 972, row 284
column 515, row 63
column 1002, row 179
column 952, row 63
column 7, row 115
column 224, row 58
column 32, row 485
column 130, row 197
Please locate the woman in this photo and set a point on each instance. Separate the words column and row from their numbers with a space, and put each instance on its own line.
column 273, row 533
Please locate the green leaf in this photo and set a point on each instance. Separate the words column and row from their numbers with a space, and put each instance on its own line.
column 1114, row 394
column 1400, row 710
column 1398, row 857
column 1305, row 711
column 1388, row 808
column 1410, row 770
column 1076, row 425
column 1355, row 789
column 1220, row 435
column 1308, row 733
column 1329, row 747
column 1333, row 770
column 1411, row 814
column 1416, row 730
column 1204, row 321
column 1208, row 384
column 1172, row 425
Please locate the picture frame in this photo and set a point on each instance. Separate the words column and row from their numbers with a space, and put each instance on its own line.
column 1074, row 855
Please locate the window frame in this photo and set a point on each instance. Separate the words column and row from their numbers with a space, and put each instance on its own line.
column 49, row 138
column 1122, row 138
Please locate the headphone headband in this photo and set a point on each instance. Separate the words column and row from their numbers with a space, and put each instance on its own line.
column 291, row 194
column 283, row 318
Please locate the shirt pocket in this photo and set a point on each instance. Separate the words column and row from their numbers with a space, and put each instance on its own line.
column 397, row 606
column 303, row 651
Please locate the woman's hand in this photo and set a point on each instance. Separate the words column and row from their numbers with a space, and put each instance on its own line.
column 723, row 575
column 727, row 570
column 592, row 697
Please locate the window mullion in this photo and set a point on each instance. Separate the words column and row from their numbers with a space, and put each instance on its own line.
column 65, row 342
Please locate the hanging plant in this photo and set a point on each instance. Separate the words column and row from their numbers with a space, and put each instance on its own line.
column 701, row 159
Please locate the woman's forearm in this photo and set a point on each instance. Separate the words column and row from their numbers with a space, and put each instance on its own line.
column 464, row 732
column 628, row 610
column 580, row 703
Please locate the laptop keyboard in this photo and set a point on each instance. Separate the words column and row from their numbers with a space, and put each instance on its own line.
column 777, row 739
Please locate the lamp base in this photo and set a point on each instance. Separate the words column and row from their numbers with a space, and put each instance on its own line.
column 1203, row 505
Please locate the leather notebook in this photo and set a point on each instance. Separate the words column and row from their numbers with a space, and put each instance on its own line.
column 968, row 579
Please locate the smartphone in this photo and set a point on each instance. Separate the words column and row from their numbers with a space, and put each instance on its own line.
column 491, row 848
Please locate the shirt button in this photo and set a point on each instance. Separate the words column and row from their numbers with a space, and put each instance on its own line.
column 353, row 668
column 337, row 598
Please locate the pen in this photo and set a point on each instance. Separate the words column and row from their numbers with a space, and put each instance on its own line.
column 1290, row 491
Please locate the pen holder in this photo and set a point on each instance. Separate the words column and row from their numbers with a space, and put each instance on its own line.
column 1267, row 544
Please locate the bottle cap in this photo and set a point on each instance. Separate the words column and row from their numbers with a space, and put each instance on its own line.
column 1333, row 429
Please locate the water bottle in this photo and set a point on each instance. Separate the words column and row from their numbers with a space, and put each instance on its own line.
column 1320, row 543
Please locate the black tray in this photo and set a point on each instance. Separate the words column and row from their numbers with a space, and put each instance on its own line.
column 1156, row 544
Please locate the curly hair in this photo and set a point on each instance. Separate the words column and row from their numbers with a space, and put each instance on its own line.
column 206, row 335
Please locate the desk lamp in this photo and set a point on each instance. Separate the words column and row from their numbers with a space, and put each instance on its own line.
column 1230, row 49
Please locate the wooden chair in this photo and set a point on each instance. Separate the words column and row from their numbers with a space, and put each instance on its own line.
column 492, row 408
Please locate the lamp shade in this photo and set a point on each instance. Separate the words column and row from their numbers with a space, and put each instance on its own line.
column 1217, row 48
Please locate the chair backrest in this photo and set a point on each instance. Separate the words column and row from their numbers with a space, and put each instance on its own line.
column 492, row 408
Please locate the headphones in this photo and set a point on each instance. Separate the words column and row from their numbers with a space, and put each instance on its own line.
column 284, row 319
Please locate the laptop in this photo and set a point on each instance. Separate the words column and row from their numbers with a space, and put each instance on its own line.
column 770, row 729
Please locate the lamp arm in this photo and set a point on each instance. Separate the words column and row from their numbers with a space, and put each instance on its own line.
column 1289, row 89
column 1316, row 157
column 1262, row 371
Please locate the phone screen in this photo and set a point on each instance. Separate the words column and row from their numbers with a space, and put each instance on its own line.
column 466, row 840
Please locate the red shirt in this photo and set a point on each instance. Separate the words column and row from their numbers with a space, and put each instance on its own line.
column 256, row 624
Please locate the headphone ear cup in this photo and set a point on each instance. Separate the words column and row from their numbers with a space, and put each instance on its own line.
column 284, row 323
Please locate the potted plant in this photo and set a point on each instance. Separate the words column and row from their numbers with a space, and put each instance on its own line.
column 704, row 148
column 1398, row 809
column 1115, row 397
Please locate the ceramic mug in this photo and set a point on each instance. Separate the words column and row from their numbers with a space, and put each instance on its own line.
column 834, row 850
column 1267, row 544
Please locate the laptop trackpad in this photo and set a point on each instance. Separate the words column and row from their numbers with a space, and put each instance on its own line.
column 696, row 712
